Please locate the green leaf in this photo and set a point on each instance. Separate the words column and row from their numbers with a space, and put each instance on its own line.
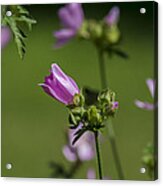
column 121, row 53
column 19, row 15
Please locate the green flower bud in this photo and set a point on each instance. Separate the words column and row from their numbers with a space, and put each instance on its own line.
column 76, row 115
column 83, row 32
column 78, row 111
column 91, row 30
column 106, row 96
column 78, row 100
column 94, row 116
column 112, row 34
column 95, row 30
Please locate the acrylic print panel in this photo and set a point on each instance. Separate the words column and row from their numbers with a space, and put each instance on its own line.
column 79, row 91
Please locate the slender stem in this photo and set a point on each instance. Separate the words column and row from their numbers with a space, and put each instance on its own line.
column 115, row 150
column 104, row 82
column 111, row 135
column 98, row 155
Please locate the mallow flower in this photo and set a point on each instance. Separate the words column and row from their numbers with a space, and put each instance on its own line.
column 71, row 17
column 91, row 174
column 151, row 84
column 5, row 36
column 112, row 17
column 82, row 150
column 59, row 85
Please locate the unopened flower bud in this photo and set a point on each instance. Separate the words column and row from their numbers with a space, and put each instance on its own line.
column 112, row 34
column 94, row 116
column 76, row 115
column 106, row 96
column 78, row 100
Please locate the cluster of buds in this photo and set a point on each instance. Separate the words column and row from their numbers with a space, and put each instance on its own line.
column 82, row 117
column 91, row 118
column 100, row 33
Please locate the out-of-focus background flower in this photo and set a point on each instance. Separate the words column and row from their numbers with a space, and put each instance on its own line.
column 33, row 124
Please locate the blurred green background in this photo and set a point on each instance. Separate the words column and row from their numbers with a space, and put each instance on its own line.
column 33, row 124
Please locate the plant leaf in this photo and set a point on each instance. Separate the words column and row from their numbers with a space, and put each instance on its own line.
column 78, row 134
column 19, row 15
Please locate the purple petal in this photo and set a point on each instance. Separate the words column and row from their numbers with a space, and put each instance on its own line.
column 64, row 81
column 71, row 16
column 151, row 85
column 91, row 174
column 59, row 86
column 5, row 36
column 115, row 105
column 144, row 105
column 113, row 16
column 69, row 155
column 63, row 36
column 85, row 151
column 77, row 12
column 58, row 95
column 84, row 146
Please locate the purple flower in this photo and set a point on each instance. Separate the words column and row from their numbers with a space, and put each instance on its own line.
column 145, row 105
column 91, row 174
column 60, row 86
column 112, row 17
column 83, row 148
column 71, row 17
column 5, row 36
column 115, row 105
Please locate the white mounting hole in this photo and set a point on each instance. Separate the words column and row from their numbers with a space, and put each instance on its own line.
column 142, row 170
column 8, row 166
column 142, row 10
column 9, row 13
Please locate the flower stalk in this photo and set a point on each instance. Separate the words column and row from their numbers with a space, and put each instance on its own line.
column 98, row 154
column 111, row 133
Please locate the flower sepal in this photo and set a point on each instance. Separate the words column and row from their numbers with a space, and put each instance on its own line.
column 93, row 117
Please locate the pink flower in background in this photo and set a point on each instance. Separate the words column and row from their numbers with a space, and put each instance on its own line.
column 145, row 105
column 91, row 174
column 60, row 86
column 112, row 17
column 5, row 36
column 71, row 17
column 83, row 148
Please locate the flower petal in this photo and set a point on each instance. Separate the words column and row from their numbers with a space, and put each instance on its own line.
column 64, row 83
column 77, row 12
column 69, row 155
column 85, row 151
column 55, row 94
column 113, row 16
column 63, row 36
column 144, row 105
column 91, row 174
column 115, row 105
column 151, row 85
column 71, row 16
column 5, row 36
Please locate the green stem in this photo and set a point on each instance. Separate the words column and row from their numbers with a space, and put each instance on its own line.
column 111, row 135
column 98, row 155
column 115, row 150
column 104, row 82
